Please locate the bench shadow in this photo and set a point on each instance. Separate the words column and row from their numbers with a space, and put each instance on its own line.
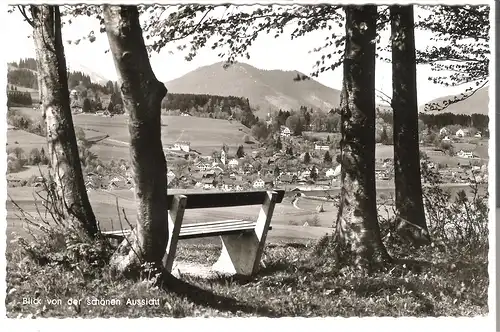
column 207, row 298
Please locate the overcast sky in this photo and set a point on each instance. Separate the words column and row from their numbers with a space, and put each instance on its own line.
column 266, row 53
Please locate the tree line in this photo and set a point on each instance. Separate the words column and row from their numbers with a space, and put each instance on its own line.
column 437, row 121
column 16, row 98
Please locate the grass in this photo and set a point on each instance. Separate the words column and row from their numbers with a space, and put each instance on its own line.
column 25, row 140
column 293, row 283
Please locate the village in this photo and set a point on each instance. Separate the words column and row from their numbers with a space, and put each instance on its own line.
column 307, row 168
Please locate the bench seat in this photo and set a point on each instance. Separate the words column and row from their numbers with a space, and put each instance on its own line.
column 205, row 229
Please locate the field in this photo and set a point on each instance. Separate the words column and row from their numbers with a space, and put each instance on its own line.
column 24, row 140
column 204, row 134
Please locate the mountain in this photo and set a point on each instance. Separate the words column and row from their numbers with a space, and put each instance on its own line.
column 477, row 103
column 266, row 89
column 94, row 77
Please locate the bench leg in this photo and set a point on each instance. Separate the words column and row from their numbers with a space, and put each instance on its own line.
column 241, row 254
column 175, row 217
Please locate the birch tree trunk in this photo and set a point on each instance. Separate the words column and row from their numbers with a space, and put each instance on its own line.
column 409, row 203
column 54, row 94
column 357, row 224
column 142, row 94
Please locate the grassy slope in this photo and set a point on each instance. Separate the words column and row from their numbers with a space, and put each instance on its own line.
column 293, row 283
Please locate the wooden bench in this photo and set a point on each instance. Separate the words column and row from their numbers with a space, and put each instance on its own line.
column 242, row 240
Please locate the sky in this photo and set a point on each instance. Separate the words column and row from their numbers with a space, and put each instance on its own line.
column 266, row 53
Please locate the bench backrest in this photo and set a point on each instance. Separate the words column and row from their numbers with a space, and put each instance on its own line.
column 224, row 199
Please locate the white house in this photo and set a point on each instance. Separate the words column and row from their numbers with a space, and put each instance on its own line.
column 446, row 139
column 285, row 131
column 329, row 172
column 259, row 183
column 306, row 173
column 465, row 154
column 223, row 157
column 233, row 163
column 443, row 131
column 478, row 135
column 203, row 167
column 461, row 133
column 332, row 173
column 321, row 147
column 181, row 146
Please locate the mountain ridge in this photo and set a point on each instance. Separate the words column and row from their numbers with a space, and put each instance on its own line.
column 266, row 89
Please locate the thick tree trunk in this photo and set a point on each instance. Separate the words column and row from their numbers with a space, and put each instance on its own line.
column 357, row 223
column 409, row 203
column 54, row 94
column 142, row 94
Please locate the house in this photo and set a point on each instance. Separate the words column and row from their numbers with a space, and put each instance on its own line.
column 321, row 147
column 185, row 114
column 181, row 146
column 465, row 154
column 461, row 133
column 285, row 131
column 286, row 178
column 306, row 173
column 208, row 183
column 330, row 172
column 203, row 167
column 233, row 163
column 223, row 157
column 209, row 174
column 258, row 184
column 443, row 131
column 478, row 135
column 446, row 139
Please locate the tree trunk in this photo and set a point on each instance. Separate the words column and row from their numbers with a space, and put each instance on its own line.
column 409, row 203
column 142, row 94
column 54, row 94
column 357, row 224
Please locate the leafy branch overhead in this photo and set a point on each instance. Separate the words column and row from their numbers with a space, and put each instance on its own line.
column 463, row 35
column 234, row 29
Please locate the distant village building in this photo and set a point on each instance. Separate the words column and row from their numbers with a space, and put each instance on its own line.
column 321, row 147
column 285, row 131
column 181, row 146
column 223, row 157
column 461, row 133
column 478, row 135
column 203, row 167
column 233, row 163
column 258, row 184
column 465, row 154
column 446, row 139
column 330, row 172
column 443, row 131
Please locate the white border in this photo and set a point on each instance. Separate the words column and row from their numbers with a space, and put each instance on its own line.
column 350, row 324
